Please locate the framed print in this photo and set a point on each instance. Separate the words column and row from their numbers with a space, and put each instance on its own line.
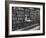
column 24, row 18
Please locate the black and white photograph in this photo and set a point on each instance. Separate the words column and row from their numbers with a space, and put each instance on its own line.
column 25, row 18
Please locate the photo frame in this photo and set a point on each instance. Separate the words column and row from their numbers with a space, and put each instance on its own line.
column 24, row 18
